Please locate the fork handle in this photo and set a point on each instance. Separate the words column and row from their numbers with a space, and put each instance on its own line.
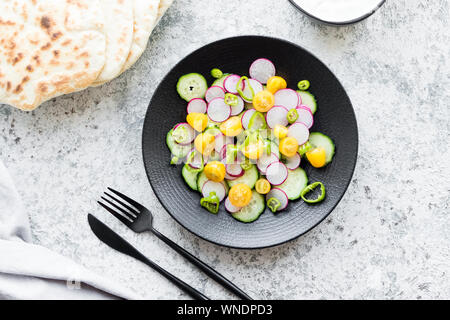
column 203, row 266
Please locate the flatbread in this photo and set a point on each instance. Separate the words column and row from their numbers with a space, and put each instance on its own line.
column 48, row 48
column 119, row 37
column 145, row 14
column 163, row 6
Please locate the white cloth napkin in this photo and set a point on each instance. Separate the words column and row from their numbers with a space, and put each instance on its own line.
column 29, row 271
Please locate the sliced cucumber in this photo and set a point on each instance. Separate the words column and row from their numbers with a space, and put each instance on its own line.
column 249, row 178
column 253, row 210
column 191, row 86
column 317, row 139
column 219, row 82
column 190, row 177
column 212, row 130
column 201, row 179
column 295, row 183
column 308, row 100
column 176, row 149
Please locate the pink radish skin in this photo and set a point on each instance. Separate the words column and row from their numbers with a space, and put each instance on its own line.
column 197, row 105
column 223, row 152
column 217, row 187
column 235, row 110
column 234, row 170
column 265, row 160
column 218, row 110
column 190, row 131
column 287, row 98
column 230, row 208
column 305, row 116
column 245, row 120
column 299, row 99
column 214, row 92
column 280, row 195
column 262, row 69
column 230, row 83
column 299, row 131
column 293, row 163
column 276, row 173
column 277, row 115
column 230, row 178
column 221, row 140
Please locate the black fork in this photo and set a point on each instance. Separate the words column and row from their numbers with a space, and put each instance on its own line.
column 139, row 219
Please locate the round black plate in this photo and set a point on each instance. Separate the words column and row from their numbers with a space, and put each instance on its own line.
column 335, row 117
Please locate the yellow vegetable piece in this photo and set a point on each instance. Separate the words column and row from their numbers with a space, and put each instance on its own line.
column 215, row 171
column 276, row 83
column 254, row 151
column 288, row 146
column 317, row 157
column 204, row 143
column 240, row 195
column 263, row 101
column 232, row 127
column 198, row 121
column 262, row 186
column 280, row 131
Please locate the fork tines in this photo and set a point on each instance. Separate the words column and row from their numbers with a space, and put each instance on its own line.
column 126, row 212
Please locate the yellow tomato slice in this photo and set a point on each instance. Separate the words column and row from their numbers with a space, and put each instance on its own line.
column 263, row 101
column 215, row 171
column 262, row 186
column 204, row 143
column 276, row 83
column 317, row 157
column 240, row 195
column 288, row 146
column 198, row 121
column 232, row 127
column 280, row 131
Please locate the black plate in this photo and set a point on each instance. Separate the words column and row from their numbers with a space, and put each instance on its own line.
column 335, row 117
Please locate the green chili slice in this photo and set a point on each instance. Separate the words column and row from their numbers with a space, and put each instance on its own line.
column 246, row 165
column 174, row 160
column 311, row 188
column 231, row 99
column 241, row 93
column 303, row 149
column 292, row 116
column 231, row 154
column 268, row 147
column 303, row 85
column 211, row 203
column 216, row 73
column 189, row 159
column 273, row 204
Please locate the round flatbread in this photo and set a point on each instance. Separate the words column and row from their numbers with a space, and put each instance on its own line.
column 145, row 14
column 119, row 36
column 163, row 6
column 48, row 48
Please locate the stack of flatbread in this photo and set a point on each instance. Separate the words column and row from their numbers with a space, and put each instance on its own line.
column 53, row 47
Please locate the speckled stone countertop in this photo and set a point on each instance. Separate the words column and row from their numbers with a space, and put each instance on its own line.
column 388, row 238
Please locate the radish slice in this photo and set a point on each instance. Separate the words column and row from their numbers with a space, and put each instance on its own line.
column 235, row 110
column 230, row 178
column 217, row 187
column 305, row 116
column 214, row 92
column 245, row 120
column 276, row 173
column 230, row 208
column 299, row 99
column 223, row 152
column 265, row 160
column 186, row 131
column 277, row 115
column 262, row 69
column 280, row 195
column 197, row 105
column 230, row 83
column 234, row 170
column 197, row 160
column 221, row 140
column 218, row 110
column 300, row 132
column 256, row 86
column 287, row 98
column 293, row 163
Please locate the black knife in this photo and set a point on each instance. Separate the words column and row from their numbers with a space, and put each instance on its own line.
column 112, row 239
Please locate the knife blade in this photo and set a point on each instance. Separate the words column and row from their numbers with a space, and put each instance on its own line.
column 113, row 240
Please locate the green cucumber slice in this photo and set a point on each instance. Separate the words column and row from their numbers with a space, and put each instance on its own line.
column 253, row 210
column 308, row 100
column 190, row 177
column 249, row 178
column 191, row 86
column 177, row 150
column 219, row 82
column 319, row 140
column 201, row 179
column 296, row 181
